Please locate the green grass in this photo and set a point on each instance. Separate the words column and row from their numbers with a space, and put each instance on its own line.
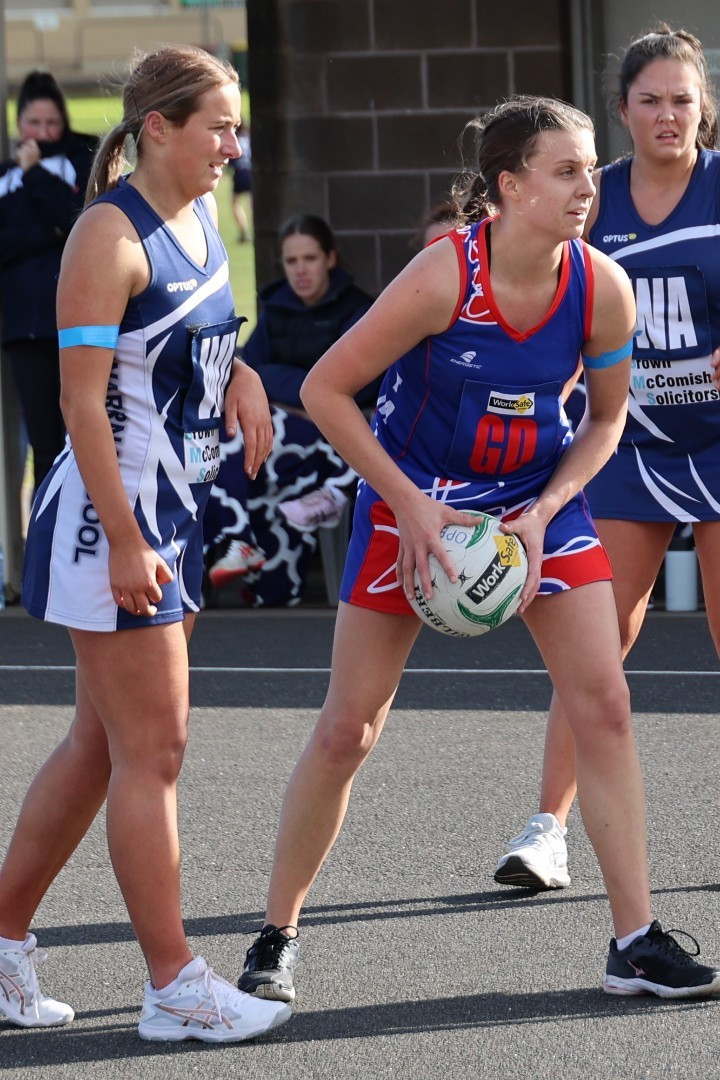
column 241, row 258
column 96, row 115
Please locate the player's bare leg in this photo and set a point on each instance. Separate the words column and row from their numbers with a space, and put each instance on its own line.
column 707, row 544
column 58, row 809
column 146, row 727
column 369, row 654
column 591, row 686
column 636, row 551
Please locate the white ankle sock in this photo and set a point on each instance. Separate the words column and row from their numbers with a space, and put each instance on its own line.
column 557, row 826
column 8, row 943
column 192, row 970
column 623, row 942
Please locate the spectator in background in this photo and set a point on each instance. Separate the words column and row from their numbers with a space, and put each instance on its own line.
column 42, row 188
column 242, row 185
column 439, row 221
column 304, row 484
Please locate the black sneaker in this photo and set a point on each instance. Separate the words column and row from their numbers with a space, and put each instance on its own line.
column 270, row 965
column 657, row 964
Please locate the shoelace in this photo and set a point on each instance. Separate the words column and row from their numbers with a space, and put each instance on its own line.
column 219, row 990
column 665, row 940
column 269, row 948
column 35, row 956
column 530, row 833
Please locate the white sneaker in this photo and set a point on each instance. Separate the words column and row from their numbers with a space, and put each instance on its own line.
column 318, row 509
column 239, row 559
column 203, row 1006
column 537, row 858
column 21, row 1001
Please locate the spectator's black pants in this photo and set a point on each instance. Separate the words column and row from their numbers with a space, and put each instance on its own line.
column 36, row 370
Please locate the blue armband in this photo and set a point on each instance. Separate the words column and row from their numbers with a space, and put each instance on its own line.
column 103, row 337
column 608, row 359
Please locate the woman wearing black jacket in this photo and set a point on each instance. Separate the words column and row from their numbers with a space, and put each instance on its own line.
column 263, row 529
column 42, row 189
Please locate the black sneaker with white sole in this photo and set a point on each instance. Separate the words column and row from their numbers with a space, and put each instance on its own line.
column 657, row 964
column 270, row 964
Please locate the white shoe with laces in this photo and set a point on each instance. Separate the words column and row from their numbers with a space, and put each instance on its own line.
column 239, row 559
column 200, row 1005
column 21, row 1000
column 537, row 858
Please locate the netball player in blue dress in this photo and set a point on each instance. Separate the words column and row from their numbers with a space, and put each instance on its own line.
column 657, row 215
column 478, row 337
column 147, row 335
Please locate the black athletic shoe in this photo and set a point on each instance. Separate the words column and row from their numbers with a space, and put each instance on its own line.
column 270, row 965
column 657, row 964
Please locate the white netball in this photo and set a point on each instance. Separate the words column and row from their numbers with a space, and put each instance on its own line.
column 492, row 569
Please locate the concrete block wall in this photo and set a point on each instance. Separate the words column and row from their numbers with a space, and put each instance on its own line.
column 358, row 105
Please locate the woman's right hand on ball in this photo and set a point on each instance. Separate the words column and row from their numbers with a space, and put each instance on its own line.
column 419, row 527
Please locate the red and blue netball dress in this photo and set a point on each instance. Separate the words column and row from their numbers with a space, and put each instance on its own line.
column 473, row 416
column 666, row 467
column 164, row 401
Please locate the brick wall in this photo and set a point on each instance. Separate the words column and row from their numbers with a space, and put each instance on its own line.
column 357, row 107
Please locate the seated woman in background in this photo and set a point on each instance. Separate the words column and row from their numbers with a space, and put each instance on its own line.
column 266, row 526
column 438, row 221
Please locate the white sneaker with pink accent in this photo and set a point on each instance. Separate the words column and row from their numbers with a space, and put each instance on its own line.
column 320, row 509
column 21, row 1001
column 200, row 1005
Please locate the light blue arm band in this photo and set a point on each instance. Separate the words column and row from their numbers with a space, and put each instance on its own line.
column 608, row 359
column 104, row 337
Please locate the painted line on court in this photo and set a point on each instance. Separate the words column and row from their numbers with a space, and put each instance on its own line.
column 326, row 670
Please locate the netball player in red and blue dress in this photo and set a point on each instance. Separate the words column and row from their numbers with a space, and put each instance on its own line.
column 479, row 336
column 657, row 215
column 147, row 337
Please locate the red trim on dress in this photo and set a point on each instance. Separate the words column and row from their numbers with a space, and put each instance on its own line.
column 379, row 566
column 562, row 286
column 422, row 406
column 463, row 266
column 575, row 569
column 589, row 288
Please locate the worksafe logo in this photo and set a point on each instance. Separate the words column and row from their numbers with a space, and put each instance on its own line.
column 511, row 404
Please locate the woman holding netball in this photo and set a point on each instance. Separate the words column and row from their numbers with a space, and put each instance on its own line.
column 657, row 215
column 493, row 314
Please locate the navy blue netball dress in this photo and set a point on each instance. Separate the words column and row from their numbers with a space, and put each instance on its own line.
column 164, row 401
column 667, row 466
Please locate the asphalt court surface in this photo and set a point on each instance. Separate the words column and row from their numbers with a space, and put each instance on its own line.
column 414, row 962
